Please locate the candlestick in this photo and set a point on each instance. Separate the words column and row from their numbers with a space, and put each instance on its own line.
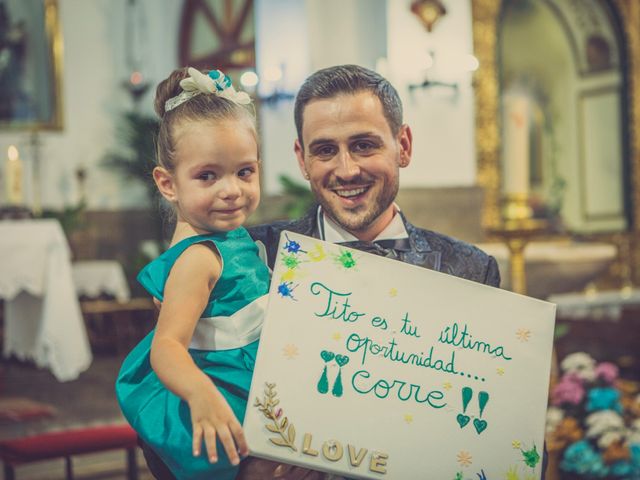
column 13, row 175
column 515, row 153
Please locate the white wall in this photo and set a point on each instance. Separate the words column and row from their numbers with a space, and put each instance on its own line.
column 330, row 32
column 442, row 120
column 306, row 36
column 362, row 32
column 346, row 31
column 93, row 69
column 282, row 41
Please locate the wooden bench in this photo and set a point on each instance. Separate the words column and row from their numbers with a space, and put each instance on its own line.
column 115, row 327
column 64, row 444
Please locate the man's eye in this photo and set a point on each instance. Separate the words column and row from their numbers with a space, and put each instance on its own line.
column 325, row 151
column 246, row 172
column 363, row 147
column 207, row 176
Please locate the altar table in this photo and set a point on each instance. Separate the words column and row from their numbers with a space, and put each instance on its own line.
column 94, row 278
column 43, row 321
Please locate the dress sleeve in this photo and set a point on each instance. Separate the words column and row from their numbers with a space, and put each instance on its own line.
column 152, row 278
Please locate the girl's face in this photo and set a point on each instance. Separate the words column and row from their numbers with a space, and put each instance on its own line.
column 215, row 182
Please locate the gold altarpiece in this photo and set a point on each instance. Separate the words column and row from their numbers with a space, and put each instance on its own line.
column 486, row 17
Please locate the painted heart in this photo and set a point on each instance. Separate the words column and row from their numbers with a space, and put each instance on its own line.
column 342, row 360
column 480, row 425
column 327, row 356
column 463, row 420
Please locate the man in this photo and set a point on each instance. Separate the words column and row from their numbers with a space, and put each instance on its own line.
column 351, row 145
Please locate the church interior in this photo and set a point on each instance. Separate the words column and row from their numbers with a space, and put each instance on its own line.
column 526, row 143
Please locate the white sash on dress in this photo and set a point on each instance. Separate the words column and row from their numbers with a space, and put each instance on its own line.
column 234, row 331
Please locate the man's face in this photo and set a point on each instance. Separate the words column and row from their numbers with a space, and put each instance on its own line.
column 352, row 160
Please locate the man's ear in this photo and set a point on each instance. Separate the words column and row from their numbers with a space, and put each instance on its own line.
column 405, row 142
column 300, row 157
column 164, row 182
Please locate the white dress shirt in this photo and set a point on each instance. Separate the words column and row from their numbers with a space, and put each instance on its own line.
column 330, row 231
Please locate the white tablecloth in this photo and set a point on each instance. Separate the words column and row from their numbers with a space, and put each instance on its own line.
column 43, row 321
column 93, row 278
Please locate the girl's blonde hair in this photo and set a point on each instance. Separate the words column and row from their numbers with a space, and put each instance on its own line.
column 206, row 106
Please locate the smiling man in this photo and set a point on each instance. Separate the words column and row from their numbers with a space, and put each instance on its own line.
column 351, row 158
column 351, row 146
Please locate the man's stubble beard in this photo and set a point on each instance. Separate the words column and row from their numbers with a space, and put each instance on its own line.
column 352, row 222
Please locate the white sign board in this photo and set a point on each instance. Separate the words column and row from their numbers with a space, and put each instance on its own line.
column 372, row 368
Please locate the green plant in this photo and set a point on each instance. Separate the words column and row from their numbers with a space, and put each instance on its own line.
column 298, row 197
column 135, row 156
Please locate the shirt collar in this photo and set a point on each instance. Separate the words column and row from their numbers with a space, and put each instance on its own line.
column 330, row 231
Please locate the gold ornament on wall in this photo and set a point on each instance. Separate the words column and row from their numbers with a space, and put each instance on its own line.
column 429, row 12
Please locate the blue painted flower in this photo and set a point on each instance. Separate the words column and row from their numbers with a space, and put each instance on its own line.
column 605, row 398
column 292, row 246
column 285, row 289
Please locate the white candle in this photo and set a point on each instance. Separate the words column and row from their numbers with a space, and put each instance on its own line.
column 515, row 151
column 13, row 175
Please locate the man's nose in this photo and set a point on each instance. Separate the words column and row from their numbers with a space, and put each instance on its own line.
column 347, row 166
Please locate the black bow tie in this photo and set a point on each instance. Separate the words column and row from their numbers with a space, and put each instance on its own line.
column 384, row 248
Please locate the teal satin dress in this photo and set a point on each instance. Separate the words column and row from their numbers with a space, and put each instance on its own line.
column 224, row 346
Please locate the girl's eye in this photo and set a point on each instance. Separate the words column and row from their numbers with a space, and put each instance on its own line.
column 246, row 172
column 207, row 176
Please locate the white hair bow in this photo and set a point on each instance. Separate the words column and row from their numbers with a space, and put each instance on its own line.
column 215, row 82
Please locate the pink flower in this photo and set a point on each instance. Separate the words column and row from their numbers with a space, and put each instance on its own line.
column 568, row 390
column 607, row 371
column 278, row 413
column 572, row 377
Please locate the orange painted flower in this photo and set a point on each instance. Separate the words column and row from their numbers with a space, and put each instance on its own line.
column 464, row 458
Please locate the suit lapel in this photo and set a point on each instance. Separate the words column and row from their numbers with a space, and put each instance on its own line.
column 305, row 225
column 421, row 253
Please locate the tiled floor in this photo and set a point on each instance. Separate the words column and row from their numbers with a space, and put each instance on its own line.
column 89, row 400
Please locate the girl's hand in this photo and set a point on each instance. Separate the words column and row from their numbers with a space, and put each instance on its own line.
column 212, row 417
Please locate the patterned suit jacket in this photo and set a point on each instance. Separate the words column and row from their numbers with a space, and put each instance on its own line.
column 428, row 249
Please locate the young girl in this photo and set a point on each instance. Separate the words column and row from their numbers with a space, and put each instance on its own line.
column 184, row 388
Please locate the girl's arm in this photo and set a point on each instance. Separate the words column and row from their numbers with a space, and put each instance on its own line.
column 186, row 294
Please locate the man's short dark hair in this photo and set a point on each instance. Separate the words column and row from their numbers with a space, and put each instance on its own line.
column 349, row 80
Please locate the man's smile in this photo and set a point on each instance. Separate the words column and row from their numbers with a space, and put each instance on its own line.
column 351, row 192
column 352, row 196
